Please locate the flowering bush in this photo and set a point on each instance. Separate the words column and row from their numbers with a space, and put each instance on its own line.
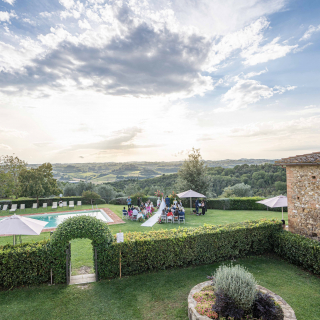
column 205, row 300
column 140, row 219
column 159, row 221
column 158, row 193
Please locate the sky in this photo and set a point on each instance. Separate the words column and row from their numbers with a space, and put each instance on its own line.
column 143, row 80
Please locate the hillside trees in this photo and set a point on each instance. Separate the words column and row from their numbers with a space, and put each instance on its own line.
column 10, row 168
column 38, row 182
column 193, row 174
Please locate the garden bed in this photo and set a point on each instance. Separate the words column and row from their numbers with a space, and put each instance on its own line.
column 194, row 315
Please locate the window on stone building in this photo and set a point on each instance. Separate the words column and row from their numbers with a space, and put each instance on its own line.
column 313, row 177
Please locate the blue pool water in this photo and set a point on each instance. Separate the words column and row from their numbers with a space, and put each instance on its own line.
column 55, row 219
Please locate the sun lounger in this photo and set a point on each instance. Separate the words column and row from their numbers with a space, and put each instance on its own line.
column 71, row 204
column 22, row 206
column 5, row 207
column 44, row 205
column 79, row 203
column 64, row 203
column 54, row 205
column 34, row 206
column 13, row 208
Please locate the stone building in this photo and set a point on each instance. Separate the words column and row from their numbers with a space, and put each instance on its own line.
column 303, row 192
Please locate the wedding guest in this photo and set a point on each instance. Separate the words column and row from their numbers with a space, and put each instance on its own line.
column 175, row 202
column 169, row 213
column 138, row 202
column 129, row 202
column 124, row 211
column 135, row 212
column 158, row 202
column 197, row 206
column 180, row 203
column 130, row 213
column 167, row 201
column 203, row 208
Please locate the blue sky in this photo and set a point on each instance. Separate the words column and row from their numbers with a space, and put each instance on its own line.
column 96, row 80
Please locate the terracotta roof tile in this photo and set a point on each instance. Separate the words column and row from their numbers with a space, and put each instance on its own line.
column 305, row 159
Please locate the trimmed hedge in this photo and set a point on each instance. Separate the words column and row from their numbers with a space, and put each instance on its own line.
column 123, row 200
column 248, row 203
column 74, row 228
column 25, row 264
column 298, row 250
column 29, row 202
column 156, row 250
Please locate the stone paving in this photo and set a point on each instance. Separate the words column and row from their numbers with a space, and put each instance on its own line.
column 83, row 278
column 194, row 315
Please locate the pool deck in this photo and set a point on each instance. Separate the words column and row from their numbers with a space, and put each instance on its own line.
column 110, row 213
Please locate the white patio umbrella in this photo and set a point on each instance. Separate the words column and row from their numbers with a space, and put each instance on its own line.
column 18, row 225
column 275, row 202
column 190, row 194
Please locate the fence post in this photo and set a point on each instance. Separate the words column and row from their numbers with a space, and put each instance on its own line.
column 67, row 265
column 96, row 263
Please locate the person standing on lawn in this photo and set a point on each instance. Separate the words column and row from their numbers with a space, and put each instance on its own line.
column 168, row 201
column 129, row 203
column 138, row 202
column 197, row 206
column 203, row 208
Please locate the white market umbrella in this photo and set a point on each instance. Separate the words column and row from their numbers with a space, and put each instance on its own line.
column 190, row 194
column 275, row 202
column 18, row 225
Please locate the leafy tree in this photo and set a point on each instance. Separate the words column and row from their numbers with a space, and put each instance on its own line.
column 84, row 186
column 106, row 192
column 38, row 182
column 281, row 187
column 131, row 189
column 69, row 190
column 10, row 168
column 90, row 195
column 193, row 174
column 238, row 190
column 6, row 184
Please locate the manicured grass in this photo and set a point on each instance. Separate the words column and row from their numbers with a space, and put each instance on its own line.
column 161, row 295
column 81, row 255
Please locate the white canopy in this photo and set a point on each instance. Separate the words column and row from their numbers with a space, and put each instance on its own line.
column 15, row 225
column 190, row 194
column 275, row 202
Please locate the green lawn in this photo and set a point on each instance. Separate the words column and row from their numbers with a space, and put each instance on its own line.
column 161, row 295
column 81, row 249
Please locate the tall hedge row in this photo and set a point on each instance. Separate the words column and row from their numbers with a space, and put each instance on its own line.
column 123, row 200
column 298, row 250
column 239, row 204
column 156, row 250
column 25, row 264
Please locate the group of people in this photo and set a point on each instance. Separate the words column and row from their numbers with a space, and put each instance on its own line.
column 142, row 209
column 202, row 206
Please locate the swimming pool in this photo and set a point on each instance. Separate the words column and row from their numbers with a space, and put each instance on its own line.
column 54, row 219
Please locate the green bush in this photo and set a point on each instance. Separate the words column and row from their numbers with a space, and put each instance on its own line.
column 298, row 250
column 237, row 283
column 25, row 264
column 156, row 250
column 73, row 228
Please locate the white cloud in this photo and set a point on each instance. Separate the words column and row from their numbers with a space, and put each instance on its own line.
column 6, row 16
column 247, row 92
column 312, row 109
column 84, row 24
column 5, row 147
column 46, row 14
column 299, row 49
column 10, row 1
column 271, row 51
column 254, row 74
column 312, row 29
column 67, row 3
column 33, row 23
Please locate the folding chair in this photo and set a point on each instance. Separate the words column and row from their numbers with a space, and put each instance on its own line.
column 176, row 219
column 170, row 219
column 163, row 218
column 182, row 218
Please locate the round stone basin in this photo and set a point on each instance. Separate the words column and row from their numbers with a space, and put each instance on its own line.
column 194, row 315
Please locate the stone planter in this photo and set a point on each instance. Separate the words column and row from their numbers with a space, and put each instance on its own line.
column 194, row 315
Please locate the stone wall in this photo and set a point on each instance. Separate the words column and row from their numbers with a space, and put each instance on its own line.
column 303, row 191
